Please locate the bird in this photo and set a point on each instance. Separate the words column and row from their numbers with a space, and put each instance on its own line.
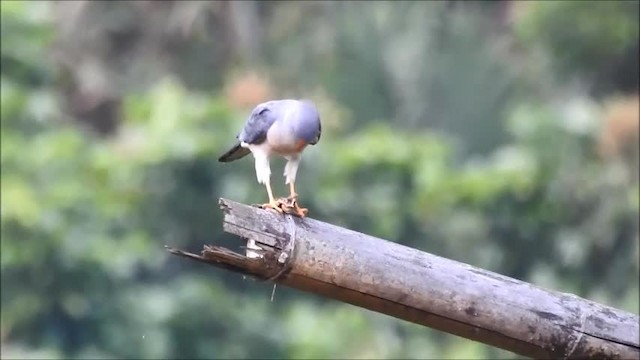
column 278, row 128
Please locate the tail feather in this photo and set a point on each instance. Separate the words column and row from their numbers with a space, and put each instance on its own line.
column 235, row 153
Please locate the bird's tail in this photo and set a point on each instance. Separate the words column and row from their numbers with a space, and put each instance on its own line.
column 235, row 153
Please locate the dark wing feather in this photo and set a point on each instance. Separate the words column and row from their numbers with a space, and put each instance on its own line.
column 255, row 130
column 235, row 153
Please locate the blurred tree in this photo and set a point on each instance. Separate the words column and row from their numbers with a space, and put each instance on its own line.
column 416, row 64
column 600, row 50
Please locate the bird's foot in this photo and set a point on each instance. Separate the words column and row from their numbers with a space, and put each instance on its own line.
column 275, row 205
column 290, row 206
column 301, row 212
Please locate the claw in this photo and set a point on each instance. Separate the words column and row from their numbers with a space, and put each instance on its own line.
column 302, row 212
column 290, row 206
column 275, row 205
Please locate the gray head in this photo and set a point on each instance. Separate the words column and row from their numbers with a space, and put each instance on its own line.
column 307, row 126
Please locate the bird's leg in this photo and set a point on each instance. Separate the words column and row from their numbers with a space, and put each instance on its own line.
column 292, row 188
column 263, row 173
column 272, row 204
column 290, row 171
column 293, row 201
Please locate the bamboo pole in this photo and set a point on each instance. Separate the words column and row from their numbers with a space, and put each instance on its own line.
column 416, row 286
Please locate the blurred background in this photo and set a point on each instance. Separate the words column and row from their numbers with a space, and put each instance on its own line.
column 503, row 134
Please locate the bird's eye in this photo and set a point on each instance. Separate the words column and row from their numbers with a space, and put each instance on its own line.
column 263, row 111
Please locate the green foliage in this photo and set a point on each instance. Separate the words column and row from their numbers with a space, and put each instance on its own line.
column 586, row 38
column 562, row 24
column 85, row 217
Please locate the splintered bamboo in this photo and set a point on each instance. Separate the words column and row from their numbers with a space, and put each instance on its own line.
column 416, row 286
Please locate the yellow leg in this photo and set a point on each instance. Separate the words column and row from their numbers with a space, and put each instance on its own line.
column 272, row 202
column 293, row 201
column 292, row 188
column 270, row 193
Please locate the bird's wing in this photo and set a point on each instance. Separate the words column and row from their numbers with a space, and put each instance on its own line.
column 236, row 152
column 255, row 130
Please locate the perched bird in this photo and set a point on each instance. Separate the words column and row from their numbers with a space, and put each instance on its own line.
column 278, row 127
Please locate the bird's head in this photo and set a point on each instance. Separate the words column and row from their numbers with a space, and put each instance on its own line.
column 307, row 125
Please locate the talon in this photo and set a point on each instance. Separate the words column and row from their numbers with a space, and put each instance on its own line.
column 283, row 203
column 273, row 205
column 302, row 212
column 288, row 205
